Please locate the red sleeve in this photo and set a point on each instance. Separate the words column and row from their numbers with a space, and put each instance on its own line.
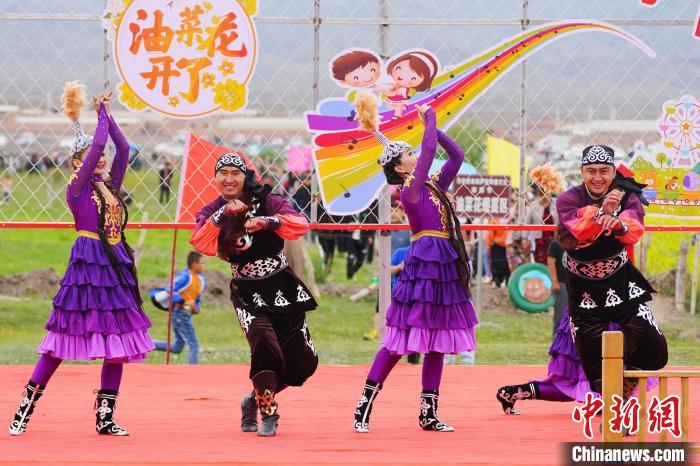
column 205, row 238
column 582, row 225
column 635, row 229
column 292, row 225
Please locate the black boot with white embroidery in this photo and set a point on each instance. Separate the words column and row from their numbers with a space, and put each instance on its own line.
column 364, row 406
column 32, row 393
column 428, row 419
column 509, row 394
column 104, row 414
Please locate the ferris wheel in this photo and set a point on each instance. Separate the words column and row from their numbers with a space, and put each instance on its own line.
column 680, row 130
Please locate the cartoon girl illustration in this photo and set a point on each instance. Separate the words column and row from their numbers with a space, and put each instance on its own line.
column 413, row 69
column 356, row 68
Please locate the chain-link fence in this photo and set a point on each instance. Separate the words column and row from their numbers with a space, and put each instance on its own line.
column 582, row 89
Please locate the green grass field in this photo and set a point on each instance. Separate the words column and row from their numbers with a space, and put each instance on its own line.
column 504, row 337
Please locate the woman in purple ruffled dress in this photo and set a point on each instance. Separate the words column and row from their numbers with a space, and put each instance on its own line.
column 431, row 311
column 97, row 311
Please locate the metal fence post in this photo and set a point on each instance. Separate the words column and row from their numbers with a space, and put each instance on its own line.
column 523, row 126
column 384, row 239
column 317, row 76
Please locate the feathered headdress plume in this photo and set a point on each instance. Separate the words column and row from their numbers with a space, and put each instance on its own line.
column 73, row 100
column 548, row 179
column 368, row 116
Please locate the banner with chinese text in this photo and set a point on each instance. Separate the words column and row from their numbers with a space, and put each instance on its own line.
column 479, row 196
column 184, row 59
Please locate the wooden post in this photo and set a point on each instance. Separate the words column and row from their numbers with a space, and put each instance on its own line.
column 694, row 286
column 681, row 276
column 685, row 402
column 612, row 380
column 642, row 398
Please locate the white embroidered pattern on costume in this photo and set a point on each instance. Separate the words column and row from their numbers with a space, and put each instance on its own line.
column 613, row 299
column 572, row 328
column 635, row 291
column 280, row 300
column 645, row 313
column 244, row 318
column 597, row 154
column 597, row 270
column 307, row 338
column 259, row 268
column 587, row 302
column 302, row 295
column 258, row 301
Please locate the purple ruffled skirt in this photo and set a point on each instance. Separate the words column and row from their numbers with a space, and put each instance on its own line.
column 94, row 315
column 565, row 370
column 430, row 310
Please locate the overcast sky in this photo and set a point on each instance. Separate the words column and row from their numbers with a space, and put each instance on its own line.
column 588, row 74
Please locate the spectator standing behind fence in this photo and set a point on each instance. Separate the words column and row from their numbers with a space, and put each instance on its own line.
column 301, row 197
column 497, row 241
column 541, row 212
column 188, row 287
column 6, row 189
column 555, row 264
column 371, row 215
column 361, row 242
column 165, row 175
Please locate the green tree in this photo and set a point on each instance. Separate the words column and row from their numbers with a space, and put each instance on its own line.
column 661, row 159
column 641, row 165
column 472, row 139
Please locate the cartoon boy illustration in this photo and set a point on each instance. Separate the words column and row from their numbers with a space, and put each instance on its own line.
column 357, row 69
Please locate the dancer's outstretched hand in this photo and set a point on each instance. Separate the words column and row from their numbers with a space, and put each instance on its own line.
column 612, row 201
column 422, row 109
column 255, row 224
column 236, row 207
column 107, row 101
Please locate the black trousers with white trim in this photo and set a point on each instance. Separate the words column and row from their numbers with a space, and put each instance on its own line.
column 645, row 346
column 280, row 343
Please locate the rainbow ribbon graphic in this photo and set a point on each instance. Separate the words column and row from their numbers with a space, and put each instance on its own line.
column 345, row 158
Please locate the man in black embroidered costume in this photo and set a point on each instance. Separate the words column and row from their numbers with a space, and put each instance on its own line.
column 247, row 226
column 599, row 222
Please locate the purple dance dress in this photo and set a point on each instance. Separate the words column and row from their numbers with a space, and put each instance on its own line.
column 430, row 310
column 96, row 315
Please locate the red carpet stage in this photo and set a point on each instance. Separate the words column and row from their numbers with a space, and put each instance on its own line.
column 190, row 415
